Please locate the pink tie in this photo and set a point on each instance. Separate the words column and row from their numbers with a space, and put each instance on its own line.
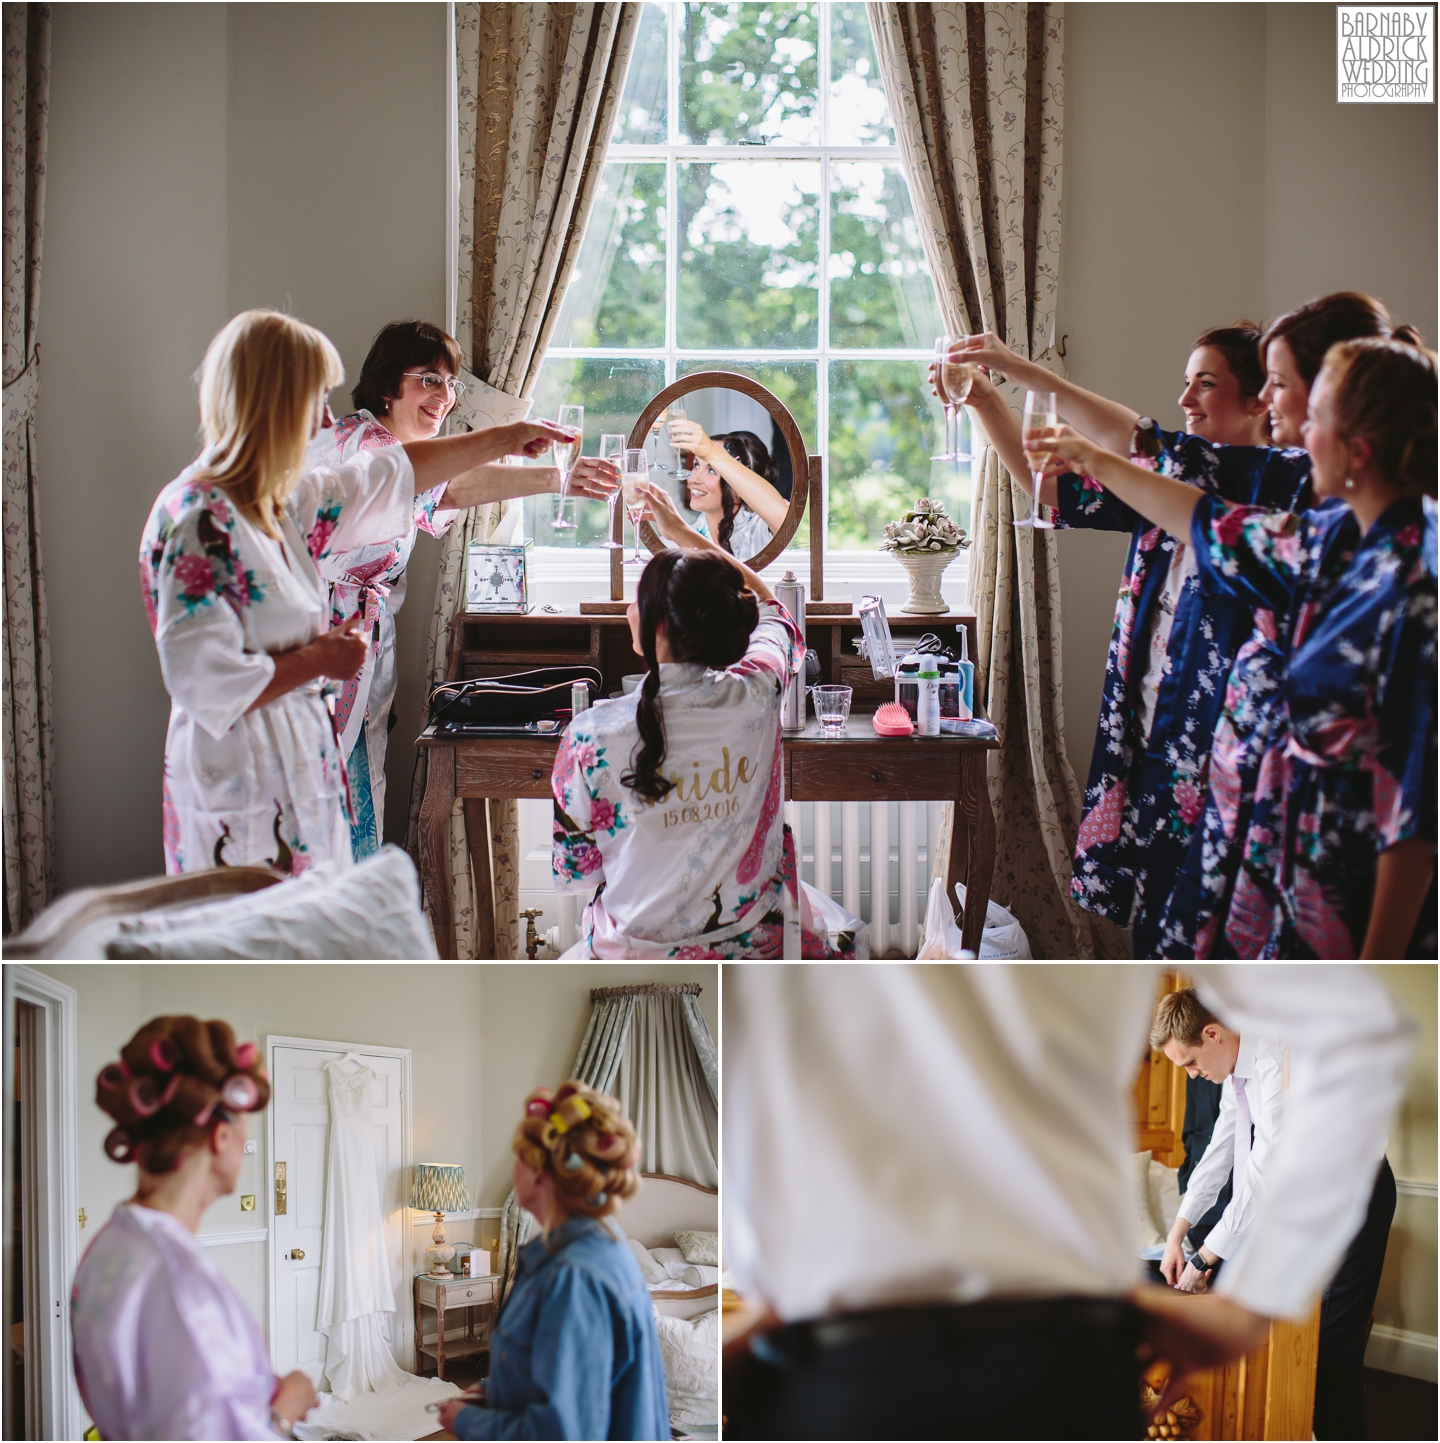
column 1242, row 1130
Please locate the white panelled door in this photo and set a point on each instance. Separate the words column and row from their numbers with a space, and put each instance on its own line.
column 299, row 1115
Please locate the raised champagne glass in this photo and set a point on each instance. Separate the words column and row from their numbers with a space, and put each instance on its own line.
column 1040, row 415
column 635, row 470
column 942, row 349
column 612, row 449
column 956, row 378
column 655, row 425
column 567, row 453
column 677, row 413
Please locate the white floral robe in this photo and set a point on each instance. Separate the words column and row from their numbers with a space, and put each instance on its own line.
column 265, row 786
column 369, row 581
column 710, row 870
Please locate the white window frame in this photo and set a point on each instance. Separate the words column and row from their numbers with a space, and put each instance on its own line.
column 555, row 566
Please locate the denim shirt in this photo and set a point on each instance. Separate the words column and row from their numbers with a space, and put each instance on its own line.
column 575, row 1353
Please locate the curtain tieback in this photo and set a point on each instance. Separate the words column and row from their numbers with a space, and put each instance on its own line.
column 22, row 394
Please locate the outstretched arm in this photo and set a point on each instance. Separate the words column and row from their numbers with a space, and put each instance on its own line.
column 496, row 482
column 755, row 491
column 660, row 509
column 1107, row 422
column 1004, row 432
column 1169, row 504
column 446, row 457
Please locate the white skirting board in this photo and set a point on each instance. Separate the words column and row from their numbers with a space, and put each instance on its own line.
column 1394, row 1350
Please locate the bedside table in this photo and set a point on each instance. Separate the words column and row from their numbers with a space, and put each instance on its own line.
column 449, row 1293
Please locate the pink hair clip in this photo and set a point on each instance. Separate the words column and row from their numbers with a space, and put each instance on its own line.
column 171, row 1088
column 245, row 1056
column 202, row 1117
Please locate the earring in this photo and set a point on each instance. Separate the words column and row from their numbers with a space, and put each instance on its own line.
column 1349, row 483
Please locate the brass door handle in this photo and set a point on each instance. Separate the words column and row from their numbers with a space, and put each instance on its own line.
column 297, row 1254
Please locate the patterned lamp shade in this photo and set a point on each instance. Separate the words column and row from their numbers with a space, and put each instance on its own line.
column 439, row 1187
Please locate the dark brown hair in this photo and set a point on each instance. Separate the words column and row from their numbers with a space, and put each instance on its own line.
column 1385, row 392
column 1239, row 343
column 752, row 453
column 176, row 1078
column 1310, row 330
column 402, row 346
column 708, row 616
column 583, row 1139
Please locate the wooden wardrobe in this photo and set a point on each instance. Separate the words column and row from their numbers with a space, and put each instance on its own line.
column 1271, row 1392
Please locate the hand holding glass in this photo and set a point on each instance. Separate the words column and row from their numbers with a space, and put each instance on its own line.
column 635, row 470
column 572, row 419
column 612, row 449
column 1040, row 416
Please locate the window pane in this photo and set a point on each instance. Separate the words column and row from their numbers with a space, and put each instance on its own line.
column 859, row 112
column 616, row 295
column 749, row 254
column 749, row 74
column 613, row 393
column 640, row 119
column 884, row 426
column 880, row 288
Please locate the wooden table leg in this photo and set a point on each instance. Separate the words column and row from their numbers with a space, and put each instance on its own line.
column 435, row 811
column 440, row 1333
column 973, row 812
column 477, row 833
column 419, row 1334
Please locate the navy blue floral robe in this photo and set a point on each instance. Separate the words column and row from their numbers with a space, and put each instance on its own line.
column 1143, row 802
column 1350, row 768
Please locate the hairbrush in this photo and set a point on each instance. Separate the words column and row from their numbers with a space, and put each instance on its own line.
column 892, row 720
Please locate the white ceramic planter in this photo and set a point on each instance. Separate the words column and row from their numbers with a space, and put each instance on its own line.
column 925, row 568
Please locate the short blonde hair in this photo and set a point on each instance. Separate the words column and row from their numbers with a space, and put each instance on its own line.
column 259, row 383
column 583, row 1139
column 1181, row 1015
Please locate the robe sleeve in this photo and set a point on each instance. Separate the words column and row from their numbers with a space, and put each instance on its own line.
column 575, row 859
column 1404, row 764
column 775, row 646
column 572, row 1363
column 429, row 516
column 199, row 589
column 1249, row 552
column 361, row 502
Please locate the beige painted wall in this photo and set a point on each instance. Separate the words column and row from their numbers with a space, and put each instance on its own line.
column 204, row 158
column 1407, row 1297
column 1209, row 174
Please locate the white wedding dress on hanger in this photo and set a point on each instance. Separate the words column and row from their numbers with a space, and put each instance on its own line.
column 357, row 1296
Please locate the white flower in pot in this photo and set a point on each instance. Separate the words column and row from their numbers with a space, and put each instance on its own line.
column 925, row 541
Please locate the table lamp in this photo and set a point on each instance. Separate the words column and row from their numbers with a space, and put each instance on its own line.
column 439, row 1188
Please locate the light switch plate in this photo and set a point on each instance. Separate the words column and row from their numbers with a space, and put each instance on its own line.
column 247, row 1202
column 251, row 1147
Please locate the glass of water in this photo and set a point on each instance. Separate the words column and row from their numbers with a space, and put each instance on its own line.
column 567, row 453
column 832, row 708
column 612, row 449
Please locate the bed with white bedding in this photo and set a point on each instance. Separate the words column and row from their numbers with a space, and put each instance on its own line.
column 686, row 1293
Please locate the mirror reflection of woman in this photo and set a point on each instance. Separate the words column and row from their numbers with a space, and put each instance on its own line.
column 164, row 1346
column 734, row 485
column 576, row 1350
column 408, row 386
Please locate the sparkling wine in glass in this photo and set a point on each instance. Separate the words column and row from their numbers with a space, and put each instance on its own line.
column 956, row 378
column 655, row 425
column 612, row 449
column 942, row 349
column 635, row 470
column 677, row 413
column 567, row 453
column 1040, row 415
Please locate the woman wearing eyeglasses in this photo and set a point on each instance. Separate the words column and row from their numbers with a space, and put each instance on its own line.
column 407, row 387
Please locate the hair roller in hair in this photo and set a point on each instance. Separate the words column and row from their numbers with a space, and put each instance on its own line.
column 598, row 1201
column 573, row 1162
column 539, row 1102
column 144, row 1096
column 246, row 1056
column 112, row 1077
column 608, row 1146
column 119, row 1145
column 240, row 1092
column 164, row 1054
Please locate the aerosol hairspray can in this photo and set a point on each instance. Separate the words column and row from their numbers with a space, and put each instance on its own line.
column 790, row 593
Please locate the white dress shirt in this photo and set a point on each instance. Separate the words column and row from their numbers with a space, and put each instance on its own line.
column 899, row 1134
column 1261, row 1063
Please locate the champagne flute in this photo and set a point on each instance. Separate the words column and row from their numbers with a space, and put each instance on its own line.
column 612, row 449
column 677, row 413
column 1040, row 415
column 956, row 378
column 636, row 470
column 655, row 425
column 942, row 349
column 572, row 419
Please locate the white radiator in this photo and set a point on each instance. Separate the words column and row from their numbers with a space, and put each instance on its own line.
column 848, row 838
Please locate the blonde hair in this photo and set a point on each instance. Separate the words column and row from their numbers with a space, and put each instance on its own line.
column 1181, row 1015
column 583, row 1139
column 259, row 384
column 1385, row 392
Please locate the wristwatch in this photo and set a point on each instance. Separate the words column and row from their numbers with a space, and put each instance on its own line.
column 1198, row 1263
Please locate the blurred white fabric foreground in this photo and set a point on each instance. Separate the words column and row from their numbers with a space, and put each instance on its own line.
column 401, row 1414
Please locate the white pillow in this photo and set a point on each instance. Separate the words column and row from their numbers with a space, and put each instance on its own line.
column 1150, row 1235
column 370, row 910
column 1164, row 1196
column 699, row 1276
column 691, row 1354
column 652, row 1271
column 671, row 1260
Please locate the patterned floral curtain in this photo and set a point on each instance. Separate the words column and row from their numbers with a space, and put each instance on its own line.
column 28, row 733
column 976, row 94
column 538, row 87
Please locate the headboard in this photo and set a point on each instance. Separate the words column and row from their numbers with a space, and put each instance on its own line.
column 664, row 1204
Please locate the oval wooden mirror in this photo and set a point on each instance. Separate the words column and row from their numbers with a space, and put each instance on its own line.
column 706, row 393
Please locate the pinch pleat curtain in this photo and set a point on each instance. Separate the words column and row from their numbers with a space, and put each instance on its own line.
column 538, row 87
column 976, row 94
column 29, row 829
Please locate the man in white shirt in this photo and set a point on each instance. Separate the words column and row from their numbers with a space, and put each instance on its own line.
column 1252, row 1072
column 927, row 1180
